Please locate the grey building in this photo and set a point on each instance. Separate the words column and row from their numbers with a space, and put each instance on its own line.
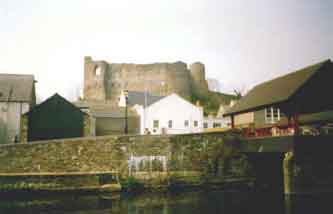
column 110, row 119
column 17, row 96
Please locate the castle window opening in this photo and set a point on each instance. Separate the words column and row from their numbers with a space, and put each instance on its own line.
column 186, row 123
column 98, row 71
column 195, row 123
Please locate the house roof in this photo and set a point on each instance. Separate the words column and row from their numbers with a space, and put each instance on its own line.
column 56, row 101
column 142, row 98
column 16, row 87
column 115, row 112
column 104, row 109
column 172, row 96
column 223, row 109
column 278, row 90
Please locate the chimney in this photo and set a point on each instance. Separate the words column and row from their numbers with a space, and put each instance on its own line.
column 232, row 103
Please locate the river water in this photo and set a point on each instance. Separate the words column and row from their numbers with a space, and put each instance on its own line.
column 191, row 202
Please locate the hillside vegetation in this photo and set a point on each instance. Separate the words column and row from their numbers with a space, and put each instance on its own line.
column 212, row 101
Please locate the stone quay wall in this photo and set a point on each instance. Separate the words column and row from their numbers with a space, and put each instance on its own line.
column 154, row 160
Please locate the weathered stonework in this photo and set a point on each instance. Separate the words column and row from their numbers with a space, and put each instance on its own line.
column 104, row 81
column 60, row 182
column 154, row 160
column 24, row 129
column 88, row 126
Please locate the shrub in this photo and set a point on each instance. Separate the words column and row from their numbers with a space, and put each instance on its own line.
column 132, row 185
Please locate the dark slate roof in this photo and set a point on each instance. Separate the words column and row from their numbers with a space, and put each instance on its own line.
column 104, row 109
column 142, row 98
column 113, row 113
column 16, row 87
column 56, row 101
column 275, row 91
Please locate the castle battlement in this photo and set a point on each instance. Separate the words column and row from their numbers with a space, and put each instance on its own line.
column 105, row 81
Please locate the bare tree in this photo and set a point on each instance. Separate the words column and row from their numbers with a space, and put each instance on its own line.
column 240, row 92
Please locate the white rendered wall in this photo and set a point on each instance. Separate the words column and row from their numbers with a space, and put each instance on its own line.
column 140, row 111
column 174, row 108
column 211, row 120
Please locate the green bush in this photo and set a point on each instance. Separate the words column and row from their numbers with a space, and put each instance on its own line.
column 132, row 185
column 240, row 167
column 212, row 100
column 174, row 184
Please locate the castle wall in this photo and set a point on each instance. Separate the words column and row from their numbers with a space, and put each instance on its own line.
column 104, row 81
column 198, row 77
column 94, row 76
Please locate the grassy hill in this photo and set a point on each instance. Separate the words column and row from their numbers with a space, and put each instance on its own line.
column 212, row 101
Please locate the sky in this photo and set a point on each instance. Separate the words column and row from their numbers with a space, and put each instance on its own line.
column 241, row 42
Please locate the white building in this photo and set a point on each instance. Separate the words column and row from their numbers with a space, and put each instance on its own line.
column 219, row 121
column 223, row 109
column 17, row 96
column 214, row 122
column 167, row 115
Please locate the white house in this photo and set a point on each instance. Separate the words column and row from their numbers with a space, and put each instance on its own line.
column 214, row 122
column 168, row 115
column 211, row 122
column 17, row 96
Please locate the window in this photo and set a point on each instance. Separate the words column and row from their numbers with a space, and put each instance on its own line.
column 98, row 71
column 216, row 125
column 272, row 115
column 170, row 124
column 156, row 124
column 275, row 113
column 186, row 123
column 195, row 123
column 205, row 125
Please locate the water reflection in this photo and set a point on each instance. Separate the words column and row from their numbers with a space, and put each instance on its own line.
column 194, row 202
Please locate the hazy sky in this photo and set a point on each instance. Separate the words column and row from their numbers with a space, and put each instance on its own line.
column 241, row 42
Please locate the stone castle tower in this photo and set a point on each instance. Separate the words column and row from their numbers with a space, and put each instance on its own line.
column 104, row 81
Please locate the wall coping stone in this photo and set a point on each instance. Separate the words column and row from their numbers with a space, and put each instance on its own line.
column 113, row 137
column 57, row 173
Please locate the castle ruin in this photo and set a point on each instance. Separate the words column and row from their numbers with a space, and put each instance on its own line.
column 104, row 81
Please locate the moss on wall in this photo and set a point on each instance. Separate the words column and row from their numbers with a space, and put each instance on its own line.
column 152, row 160
column 24, row 129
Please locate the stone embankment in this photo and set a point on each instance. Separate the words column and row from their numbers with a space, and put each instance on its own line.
column 102, row 163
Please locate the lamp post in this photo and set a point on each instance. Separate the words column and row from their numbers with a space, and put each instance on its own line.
column 126, row 117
